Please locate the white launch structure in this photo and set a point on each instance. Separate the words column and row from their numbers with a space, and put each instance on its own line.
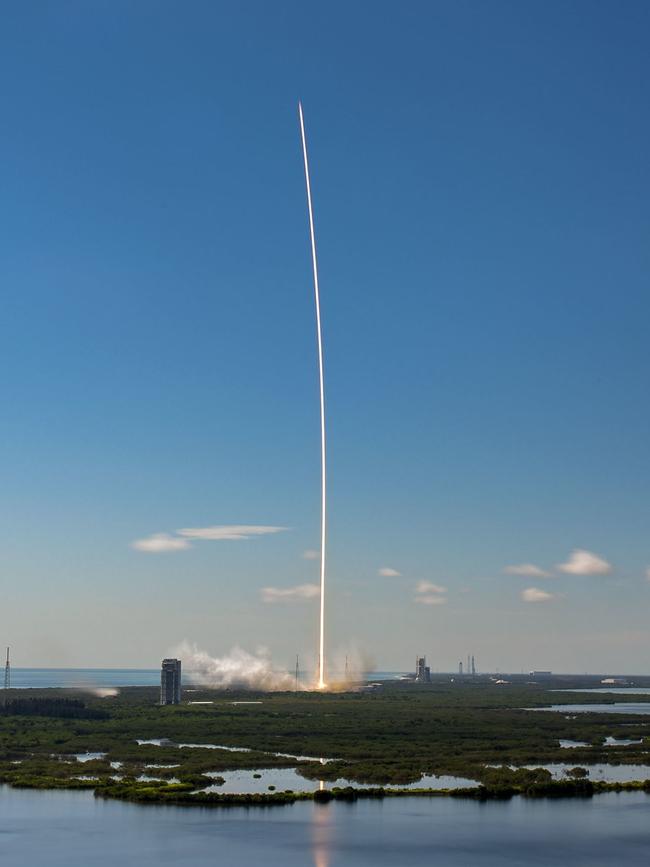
column 323, row 524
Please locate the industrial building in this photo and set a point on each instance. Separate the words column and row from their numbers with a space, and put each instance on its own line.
column 422, row 670
column 170, row 681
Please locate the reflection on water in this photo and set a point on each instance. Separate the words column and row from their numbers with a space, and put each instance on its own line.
column 321, row 835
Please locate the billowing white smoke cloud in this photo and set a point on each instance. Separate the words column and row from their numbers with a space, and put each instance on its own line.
column 238, row 669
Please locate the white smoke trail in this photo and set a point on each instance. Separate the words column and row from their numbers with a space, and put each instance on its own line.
column 239, row 669
column 321, row 645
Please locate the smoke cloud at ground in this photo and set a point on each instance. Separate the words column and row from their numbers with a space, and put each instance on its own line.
column 238, row 669
column 349, row 667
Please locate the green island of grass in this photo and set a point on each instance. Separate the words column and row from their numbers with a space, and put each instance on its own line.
column 382, row 738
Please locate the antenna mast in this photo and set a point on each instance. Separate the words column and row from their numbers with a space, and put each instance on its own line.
column 7, row 679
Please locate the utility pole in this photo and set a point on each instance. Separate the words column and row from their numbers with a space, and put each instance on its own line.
column 297, row 673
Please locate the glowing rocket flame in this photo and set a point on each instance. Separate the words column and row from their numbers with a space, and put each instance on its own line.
column 321, row 646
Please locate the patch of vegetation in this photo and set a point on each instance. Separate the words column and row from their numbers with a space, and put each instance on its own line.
column 65, row 708
column 391, row 736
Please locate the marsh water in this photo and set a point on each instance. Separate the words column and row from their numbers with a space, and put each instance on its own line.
column 640, row 708
column 283, row 779
column 74, row 829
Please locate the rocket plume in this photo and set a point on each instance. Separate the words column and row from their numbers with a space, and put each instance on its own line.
column 321, row 645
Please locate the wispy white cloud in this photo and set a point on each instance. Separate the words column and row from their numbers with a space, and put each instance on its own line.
column 311, row 554
column 528, row 570
column 289, row 594
column 427, row 593
column 387, row 572
column 431, row 599
column 428, row 587
column 534, row 594
column 230, row 533
column 583, row 562
column 160, row 543
column 181, row 540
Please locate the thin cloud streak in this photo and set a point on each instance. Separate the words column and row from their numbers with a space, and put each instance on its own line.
column 431, row 599
column 387, row 572
column 528, row 570
column 428, row 593
column 230, row 533
column 428, row 587
column 160, row 543
column 289, row 594
column 163, row 543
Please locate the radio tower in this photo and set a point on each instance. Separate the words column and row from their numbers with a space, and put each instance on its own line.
column 7, row 678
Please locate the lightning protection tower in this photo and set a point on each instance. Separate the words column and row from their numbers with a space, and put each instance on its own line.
column 7, row 679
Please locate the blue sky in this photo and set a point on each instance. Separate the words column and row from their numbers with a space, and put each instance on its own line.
column 481, row 188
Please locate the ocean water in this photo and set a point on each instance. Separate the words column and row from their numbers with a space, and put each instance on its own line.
column 74, row 829
column 42, row 678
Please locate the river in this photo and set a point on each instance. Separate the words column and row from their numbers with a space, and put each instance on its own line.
column 73, row 829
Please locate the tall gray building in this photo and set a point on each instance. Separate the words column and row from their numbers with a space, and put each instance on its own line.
column 422, row 670
column 170, row 681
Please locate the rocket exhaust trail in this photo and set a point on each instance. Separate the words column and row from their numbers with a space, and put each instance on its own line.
column 321, row 645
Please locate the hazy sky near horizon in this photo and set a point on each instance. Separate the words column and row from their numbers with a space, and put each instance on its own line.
column 481, row 186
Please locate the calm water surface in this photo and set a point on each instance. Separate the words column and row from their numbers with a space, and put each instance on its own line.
column 73, row 829
column 83, row 678
column 44, row 678
column 283, row 779
column 641, row 708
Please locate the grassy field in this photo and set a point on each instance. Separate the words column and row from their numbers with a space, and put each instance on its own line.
column 390, row 735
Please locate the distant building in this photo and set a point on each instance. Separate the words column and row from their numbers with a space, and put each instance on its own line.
column 617, row 681
column 422, row 670
column 541, row 674
column 170, row 681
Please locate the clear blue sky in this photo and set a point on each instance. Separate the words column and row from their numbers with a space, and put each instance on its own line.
column 482, row 188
